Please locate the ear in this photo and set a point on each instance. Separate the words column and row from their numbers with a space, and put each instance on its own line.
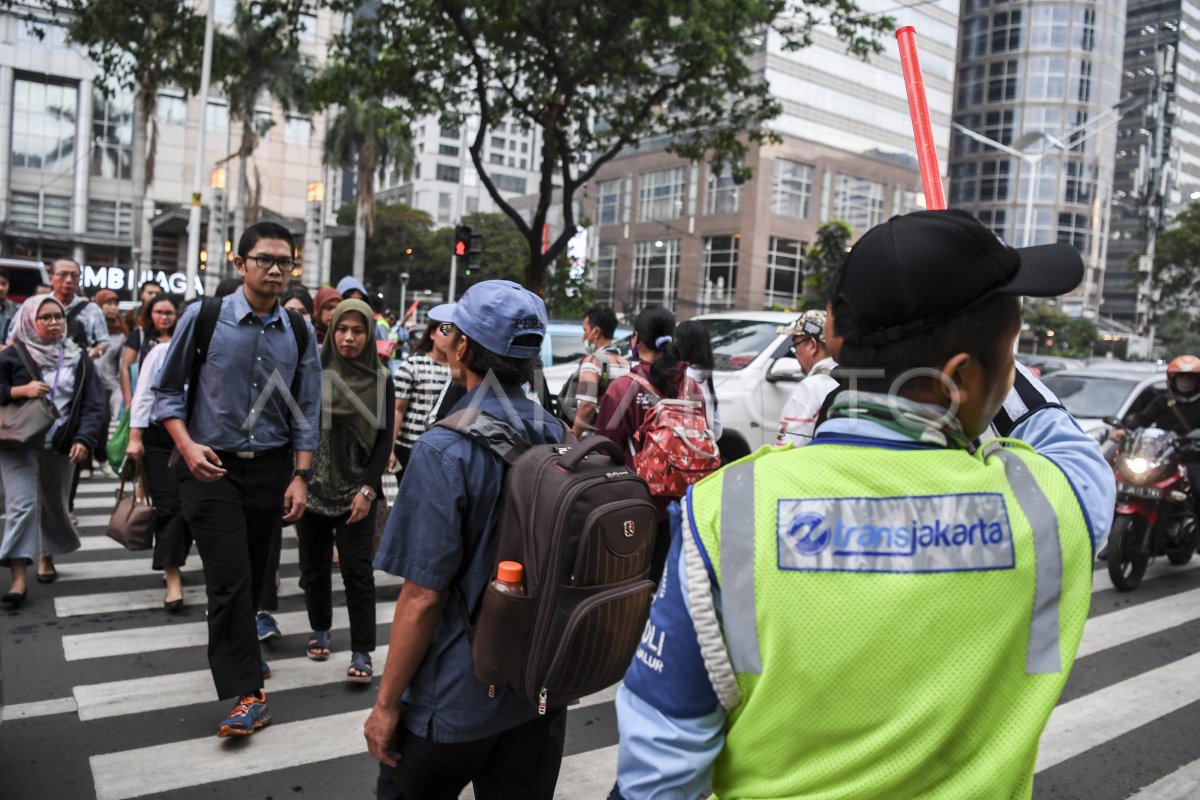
column 956, row 372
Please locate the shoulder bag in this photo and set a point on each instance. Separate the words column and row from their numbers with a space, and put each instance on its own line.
column 24, row 423
column 132, row 521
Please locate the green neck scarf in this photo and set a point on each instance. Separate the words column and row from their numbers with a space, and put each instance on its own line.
column 920, row 422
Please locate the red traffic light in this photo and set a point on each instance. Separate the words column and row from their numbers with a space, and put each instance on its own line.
column 462, row 240
column 460, row 248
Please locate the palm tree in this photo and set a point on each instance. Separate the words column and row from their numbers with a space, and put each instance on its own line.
column 259, row 56
column 367, row 137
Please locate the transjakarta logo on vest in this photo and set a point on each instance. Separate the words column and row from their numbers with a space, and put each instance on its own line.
column 933, row 533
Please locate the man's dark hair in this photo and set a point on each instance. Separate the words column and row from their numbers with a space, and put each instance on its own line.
column 227, row 287
column 506, row 370
column 144, row 284
column 4, row 276
column 264, row 230
column 604, row 318
column 977, row 333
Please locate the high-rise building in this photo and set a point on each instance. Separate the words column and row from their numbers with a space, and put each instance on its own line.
column 1041, row 80
column 681, row 235
column 67, row 162
column 1161, row 48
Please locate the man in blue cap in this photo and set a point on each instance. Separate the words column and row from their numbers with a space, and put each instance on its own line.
column 435, row 727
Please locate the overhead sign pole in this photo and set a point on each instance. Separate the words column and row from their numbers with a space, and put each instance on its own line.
column 918, row 109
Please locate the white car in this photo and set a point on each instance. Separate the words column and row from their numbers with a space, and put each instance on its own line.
column 1118, row 390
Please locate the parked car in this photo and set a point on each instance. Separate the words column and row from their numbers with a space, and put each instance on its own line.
column 1093, row 393
column 23, row 277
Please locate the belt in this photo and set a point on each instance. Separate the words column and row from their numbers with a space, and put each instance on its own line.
column 250, row 455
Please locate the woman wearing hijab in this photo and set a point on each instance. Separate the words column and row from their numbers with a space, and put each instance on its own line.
column 37, row 480
column 323, row 305
column 356, row 423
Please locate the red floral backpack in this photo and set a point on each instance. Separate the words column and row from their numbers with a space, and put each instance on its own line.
column 675, row 446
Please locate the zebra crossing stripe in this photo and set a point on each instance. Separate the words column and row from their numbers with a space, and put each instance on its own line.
column 1103, row 715
column 146, row 599
column 94, row 542
column 40, row 708
column 1182, row 784
column 135, row 567
column 93, row 502
column 141, row 773
column 79, row 647
column 1134, row 622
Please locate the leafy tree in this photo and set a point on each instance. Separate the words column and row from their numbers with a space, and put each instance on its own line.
column 261, row 55
column 367, row 136
column 823, row 258
column 1067, row 336
column 142, row 46
column 590, row 80
column 1179, row 333
column 403, row 240
column 569, row 289
column 1177, row 259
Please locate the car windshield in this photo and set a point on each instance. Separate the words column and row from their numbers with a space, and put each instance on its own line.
column 1090, row 396
column 565, row 348
column 737, row 342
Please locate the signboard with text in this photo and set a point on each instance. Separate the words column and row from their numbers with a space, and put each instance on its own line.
column 124, row 281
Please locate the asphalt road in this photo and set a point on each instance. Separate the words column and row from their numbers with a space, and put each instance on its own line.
column 106, row 696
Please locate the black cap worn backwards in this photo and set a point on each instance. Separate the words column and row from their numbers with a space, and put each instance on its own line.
column 916, row 272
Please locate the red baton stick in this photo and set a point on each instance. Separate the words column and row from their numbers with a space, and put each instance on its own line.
column 918, row 109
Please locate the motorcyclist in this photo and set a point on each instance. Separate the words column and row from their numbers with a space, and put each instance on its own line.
column 1178, row 410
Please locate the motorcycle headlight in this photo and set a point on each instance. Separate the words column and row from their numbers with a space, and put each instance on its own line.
column 1138, row 466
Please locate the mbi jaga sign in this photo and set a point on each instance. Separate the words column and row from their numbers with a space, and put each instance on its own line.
column 121, row 280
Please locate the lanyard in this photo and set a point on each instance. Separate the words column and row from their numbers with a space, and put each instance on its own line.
column 57, row 372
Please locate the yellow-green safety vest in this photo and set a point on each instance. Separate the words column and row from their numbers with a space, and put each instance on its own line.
column 895, row 623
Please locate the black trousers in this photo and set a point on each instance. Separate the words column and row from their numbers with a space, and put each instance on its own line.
column 172, row 539
column 231, row 520
column 269, row 600
column 520, row 764
column 317, row 533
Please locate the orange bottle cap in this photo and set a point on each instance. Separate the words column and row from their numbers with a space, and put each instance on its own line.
column 510, row 572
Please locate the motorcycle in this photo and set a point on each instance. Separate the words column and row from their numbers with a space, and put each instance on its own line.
column 1155, row 514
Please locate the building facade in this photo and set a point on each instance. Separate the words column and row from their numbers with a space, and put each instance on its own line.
column 1162, row 48
column 67, row 163
column 1041, row 81
column 681, row 235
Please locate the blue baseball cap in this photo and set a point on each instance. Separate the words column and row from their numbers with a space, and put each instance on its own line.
column 494, row 313
column 442, row 313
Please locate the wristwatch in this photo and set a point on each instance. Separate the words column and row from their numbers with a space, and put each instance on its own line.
column 303, row 474
column 367, row 492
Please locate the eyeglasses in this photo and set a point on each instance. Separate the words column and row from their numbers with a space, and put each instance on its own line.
column 164, row 313
column 266, row 262
column 63, row 275
column 48, row 318
column 446, row 328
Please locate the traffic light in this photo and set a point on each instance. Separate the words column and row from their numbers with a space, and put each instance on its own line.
column 462, row 240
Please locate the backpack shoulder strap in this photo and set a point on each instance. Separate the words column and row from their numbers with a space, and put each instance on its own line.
column 484, row 429
column 74, row 311
column 206, row 324
column 300, row 331
column 640, row 380
column 1174, row 406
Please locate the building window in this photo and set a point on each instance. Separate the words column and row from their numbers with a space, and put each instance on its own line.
column 172, row 108
column 448, row 173
column 791, row 188
column 1084, row 37
column 996, row 219
column 497, row 142
column 496, row 158
column 1006, row 31
column 110, row 218
column 963, row 183
column 448, row 132
column 606, row 274
column 965, row 145
column 1081, row 80
column 970, row 85
column 974, row 37
column 43, row 132
column 718, row 276
column 1042, row 118
column 448, row 150
column 608, row 202
column 998, row 125
column 785, row 273
column 993, row 183
column 444, row 205
column 509, row 183
column 112, row 135
column 47, row 211
column 216, row 116
column 660, row 195
column 723, row 195
column 1073, row 230
column 1079, row 183
column 858, row 201
column 1050, row 26
column 656, row 273
column 297, row 129
column 1047, row 78
column 1002, row 81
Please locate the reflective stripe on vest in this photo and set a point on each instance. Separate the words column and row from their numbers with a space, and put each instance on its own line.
column 737, row 575
column 1043, row 656
column 737, row 565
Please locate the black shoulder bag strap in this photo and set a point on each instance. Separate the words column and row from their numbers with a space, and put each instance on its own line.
column 1174, row 406
column 206, row 323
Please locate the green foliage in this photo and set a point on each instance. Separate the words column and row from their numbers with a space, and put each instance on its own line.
column 1073, row 337
column 569, row 289
column 588, row 79
column 366, row 136
column 823, row 258
column 1179, row 332
column 1177, row 260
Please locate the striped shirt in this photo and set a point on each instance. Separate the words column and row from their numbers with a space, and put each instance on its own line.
column 419, row 381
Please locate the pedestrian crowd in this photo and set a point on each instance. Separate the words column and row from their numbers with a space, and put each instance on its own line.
column 886, row 604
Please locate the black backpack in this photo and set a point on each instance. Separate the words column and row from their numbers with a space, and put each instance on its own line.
column 568, row 400
column 583, row 527
column 75, row 330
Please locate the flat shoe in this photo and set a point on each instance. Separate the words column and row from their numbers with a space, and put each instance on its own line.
column 48, row 577
column 174, row 606
column 14, row 599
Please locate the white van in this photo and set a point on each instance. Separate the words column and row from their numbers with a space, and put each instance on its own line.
column 23, row 277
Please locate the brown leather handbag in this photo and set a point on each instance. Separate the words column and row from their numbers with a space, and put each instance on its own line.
column 132, row 521
column 23, row 423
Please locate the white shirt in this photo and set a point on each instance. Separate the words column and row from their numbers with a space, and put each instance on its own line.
column 799, row 417
column 143, row 396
